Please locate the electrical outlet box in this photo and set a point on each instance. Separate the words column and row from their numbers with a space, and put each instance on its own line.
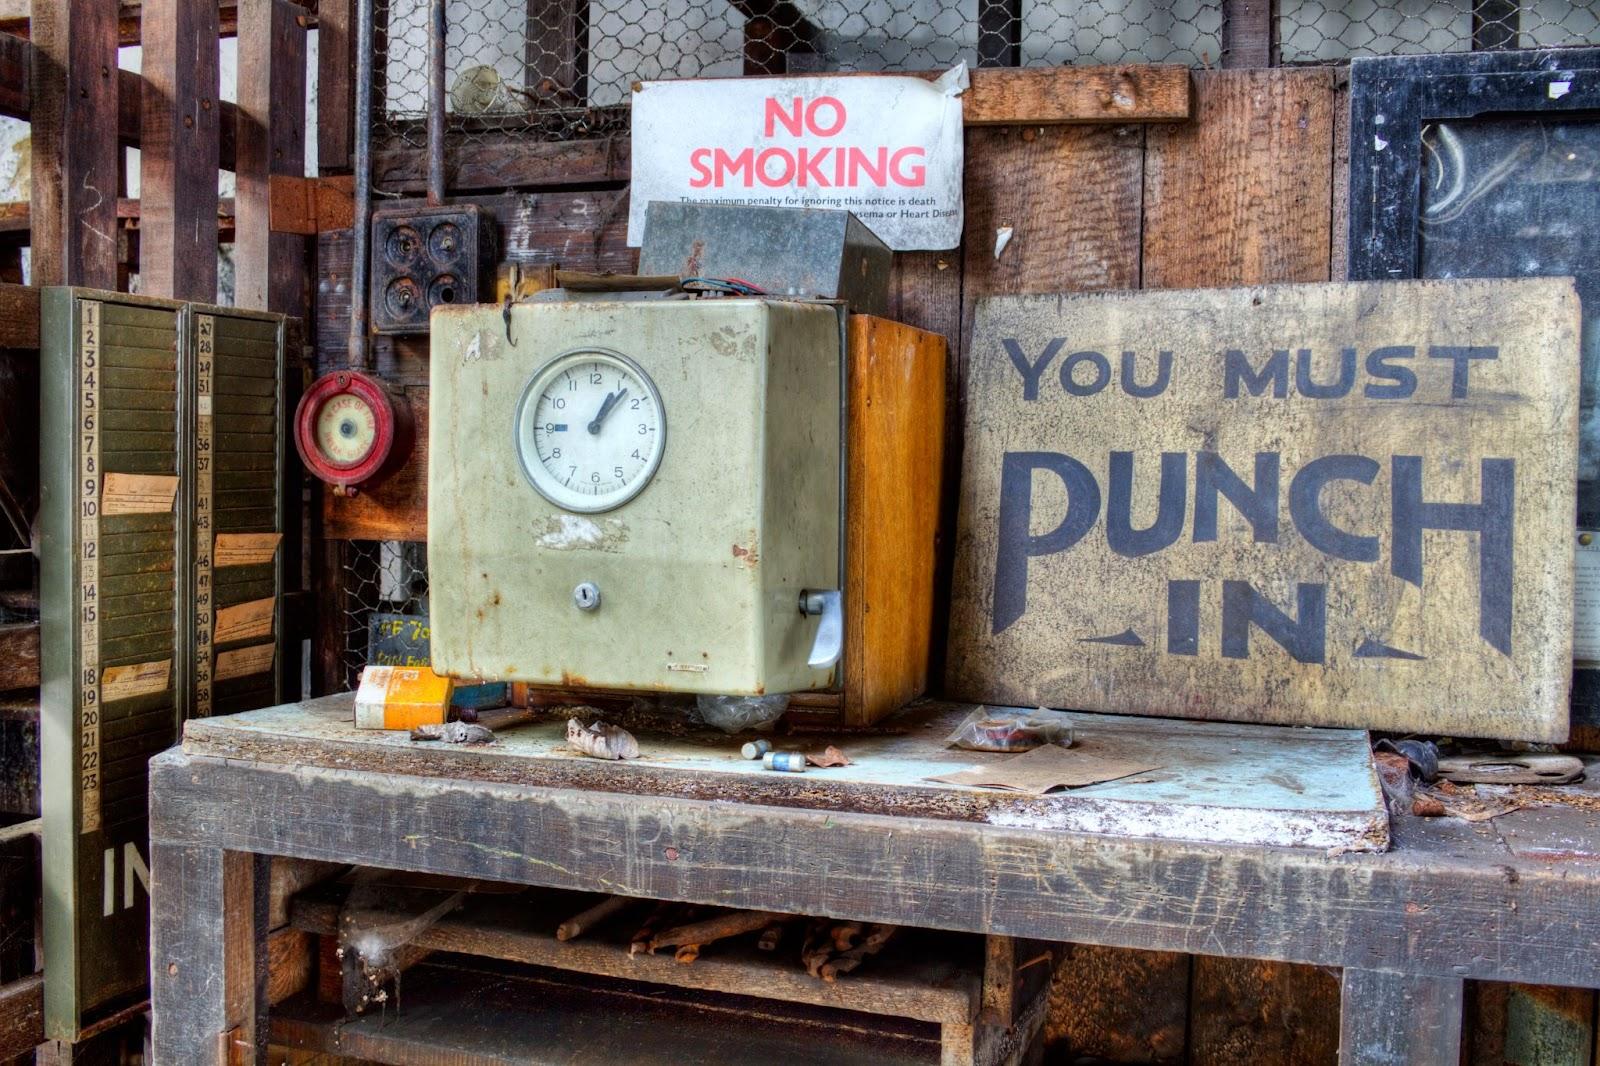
column 427, row 257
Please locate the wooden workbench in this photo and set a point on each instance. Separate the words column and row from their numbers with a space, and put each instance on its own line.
column 690, row 821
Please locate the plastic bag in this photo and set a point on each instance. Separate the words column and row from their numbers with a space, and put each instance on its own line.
column 732, row 714
column 1010, row 729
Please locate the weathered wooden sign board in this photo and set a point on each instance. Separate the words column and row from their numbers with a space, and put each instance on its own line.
column 1346, row 504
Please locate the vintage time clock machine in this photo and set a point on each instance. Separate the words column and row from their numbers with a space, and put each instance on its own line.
column 685, row 492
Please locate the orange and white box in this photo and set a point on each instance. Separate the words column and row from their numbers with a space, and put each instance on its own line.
column 402, row 697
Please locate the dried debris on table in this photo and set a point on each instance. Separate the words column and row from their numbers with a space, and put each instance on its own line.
column 1479, row 803
column 600, row 740
column 1410, row 784
column 454, row 733
column 1458, row 801
column 831, row 756
column 1511, row 768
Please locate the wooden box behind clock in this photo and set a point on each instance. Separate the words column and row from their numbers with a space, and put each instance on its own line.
column 895, row 401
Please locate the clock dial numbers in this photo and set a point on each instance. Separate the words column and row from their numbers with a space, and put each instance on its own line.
column 590, row 430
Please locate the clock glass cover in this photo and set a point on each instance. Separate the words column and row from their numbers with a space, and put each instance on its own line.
column 590, row 430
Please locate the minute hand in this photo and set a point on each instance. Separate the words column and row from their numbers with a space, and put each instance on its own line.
column 605, row 409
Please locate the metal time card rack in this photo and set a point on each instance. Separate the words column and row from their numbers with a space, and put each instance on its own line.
column 161, row 516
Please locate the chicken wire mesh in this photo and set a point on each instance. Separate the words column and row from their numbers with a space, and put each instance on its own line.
column 564, row 69
column 1331, row 31
column 385, row 587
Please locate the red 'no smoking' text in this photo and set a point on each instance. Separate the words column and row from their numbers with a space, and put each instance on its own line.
column 825, row 166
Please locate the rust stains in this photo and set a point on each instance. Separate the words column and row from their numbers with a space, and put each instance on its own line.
column 725, row 341
column 748, row 556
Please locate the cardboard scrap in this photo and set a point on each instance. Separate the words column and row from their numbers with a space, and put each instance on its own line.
column 141, row 679
column 242, row 661
column 138, row 493
column 1047, row 768
column 241, row 621
column 245, row 549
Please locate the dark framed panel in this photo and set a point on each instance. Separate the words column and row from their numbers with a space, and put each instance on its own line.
column 1487, row 164
column 1484, row 164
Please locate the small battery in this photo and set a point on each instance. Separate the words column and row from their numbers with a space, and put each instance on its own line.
column 755, row 749
column 791, row 762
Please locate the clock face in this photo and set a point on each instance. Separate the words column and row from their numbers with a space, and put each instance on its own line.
column 590, row 430
column 346, row 429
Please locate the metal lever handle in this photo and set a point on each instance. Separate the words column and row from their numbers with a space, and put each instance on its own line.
column 829, row 645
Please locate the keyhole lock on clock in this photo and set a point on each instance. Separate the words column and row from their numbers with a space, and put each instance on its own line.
column 586, row 597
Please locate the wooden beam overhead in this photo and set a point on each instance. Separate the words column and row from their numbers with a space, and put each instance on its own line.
column 14, row 18
column 16, row 89
column 1037, row 96
column 16, row 218
column 1069, row 96
column 1065, row 96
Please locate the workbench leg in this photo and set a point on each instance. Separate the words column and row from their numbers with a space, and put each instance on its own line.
column 1393, row 1019
column 207, row 955
column 1016, row 996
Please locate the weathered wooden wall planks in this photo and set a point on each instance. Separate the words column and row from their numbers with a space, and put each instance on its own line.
column 178, row 151
column 1242, row 195
column 269, row 270
column 1051, row 209
column 75, row 156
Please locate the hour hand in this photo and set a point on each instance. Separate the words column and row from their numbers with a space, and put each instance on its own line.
column 605, row 409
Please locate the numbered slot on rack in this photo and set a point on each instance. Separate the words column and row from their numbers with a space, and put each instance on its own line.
column 242, row 446
column 135, row 452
